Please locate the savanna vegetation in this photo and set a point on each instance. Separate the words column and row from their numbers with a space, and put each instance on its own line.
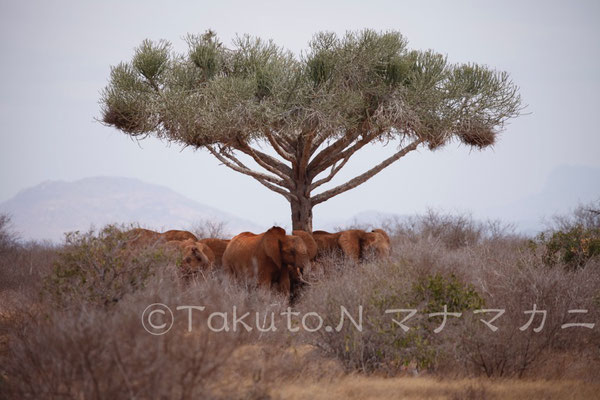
column 71, row 319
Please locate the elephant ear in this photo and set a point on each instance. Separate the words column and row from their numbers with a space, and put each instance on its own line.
column 271, row 244
column 309, row 242
column 350, row 242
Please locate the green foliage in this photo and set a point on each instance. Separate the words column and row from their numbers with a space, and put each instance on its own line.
column 573, row 247
column 437, row 290
column 100, row 269
column 205, row 52
column 429, row 295
column 151, row 60
column 214, row 94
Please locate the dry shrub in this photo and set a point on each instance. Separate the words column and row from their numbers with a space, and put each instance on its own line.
column 8, row 238
column 493, row 270
column 510, row 276
column 22, row 265
column 585, row 215
column 86, row 351
column 451, row 230
column 207, row 228
column 512, row 352
column 380, row 344
column 87, row 339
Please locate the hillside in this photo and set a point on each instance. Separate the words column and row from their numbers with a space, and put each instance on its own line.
column 51, row 208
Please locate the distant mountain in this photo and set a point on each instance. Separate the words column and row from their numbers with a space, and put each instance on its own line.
column 49, row 209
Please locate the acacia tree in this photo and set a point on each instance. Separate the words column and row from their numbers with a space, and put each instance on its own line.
column 313, row 111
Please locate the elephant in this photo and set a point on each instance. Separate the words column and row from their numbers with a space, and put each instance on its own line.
column 178, row 235
column 326, row 242
column 147, row 237
column 359, row 245
column 272, row 258
column 218, row 247
column 356, row 244
column 195, row 256
column 140, row 237
column 309, row 242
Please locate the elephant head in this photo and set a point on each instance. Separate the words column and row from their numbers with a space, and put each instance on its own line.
column 195, row 256
column 309, row 242
column 272, row 259
column 288, row 252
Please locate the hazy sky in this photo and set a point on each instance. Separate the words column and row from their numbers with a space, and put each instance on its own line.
column 56, row 58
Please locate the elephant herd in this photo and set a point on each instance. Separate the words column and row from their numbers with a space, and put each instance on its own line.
column 273, row 258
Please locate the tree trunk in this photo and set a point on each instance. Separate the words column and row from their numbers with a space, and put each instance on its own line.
column 302, row 213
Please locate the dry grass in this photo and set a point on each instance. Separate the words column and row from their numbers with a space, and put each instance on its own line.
column 366, row 388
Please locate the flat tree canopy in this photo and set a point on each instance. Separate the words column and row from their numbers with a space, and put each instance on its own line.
column 315, row 110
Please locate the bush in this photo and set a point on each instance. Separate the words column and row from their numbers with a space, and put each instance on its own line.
column 453, row 231
column 8, row 239
column 207, row 228
column 383, row 345
column 100, row 268
column 573, row 240
column 574, row 247
column 499, row 272
column 437, row 291
column 93, row 352
column 22, row 265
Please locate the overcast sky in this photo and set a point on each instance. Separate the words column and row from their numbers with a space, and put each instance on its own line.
column 56, row 58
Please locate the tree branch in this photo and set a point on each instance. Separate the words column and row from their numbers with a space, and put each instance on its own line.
column 334, row 171
column 267, row 162
column 319, row 141
column 334, row 157
column 264, row 179
column 332, row 149
column 351, row 184
column 279, row 148
column 305, row 156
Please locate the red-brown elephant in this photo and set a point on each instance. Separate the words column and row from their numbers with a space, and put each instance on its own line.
column 147, row 237
column 272, row 259
column 193, row 255
column 218, row 247
column 195, row 258
column 356, row 244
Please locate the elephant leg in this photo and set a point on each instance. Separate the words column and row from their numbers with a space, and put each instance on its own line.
column 264, row 278
column 284, row 281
